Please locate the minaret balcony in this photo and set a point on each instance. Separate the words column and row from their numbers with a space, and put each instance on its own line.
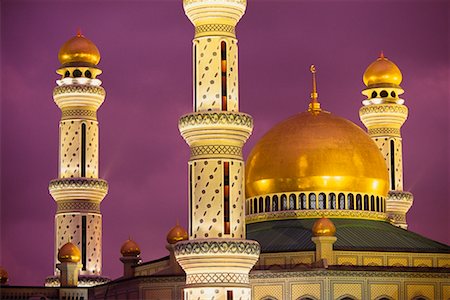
column 78, row 189
column 79, row 95
column 233, row 128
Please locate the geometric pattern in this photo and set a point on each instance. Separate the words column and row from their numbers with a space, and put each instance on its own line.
column 81, row 183
column 215, row 27
column 203, row 278
column 208, row 246
column 384, row 131
column 216, row 149
column 79, row 89
column 77, row 113
column 389, row 108
column 215, row 118
column 78, row 205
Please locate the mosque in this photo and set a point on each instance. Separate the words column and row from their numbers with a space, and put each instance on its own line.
column 318, row 210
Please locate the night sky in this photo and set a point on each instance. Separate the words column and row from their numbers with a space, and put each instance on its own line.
column 147, row 74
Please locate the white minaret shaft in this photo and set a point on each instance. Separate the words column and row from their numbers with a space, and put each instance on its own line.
column 217, row 258
column 383, row 114
column 78, row 191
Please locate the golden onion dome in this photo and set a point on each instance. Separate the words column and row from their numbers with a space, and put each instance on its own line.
column 130, row 248
column 69, row 253
column 3, row 275
column 382, row 71
column 176, row 234
column 323, row 227
column 79, row 49
column 316, row 151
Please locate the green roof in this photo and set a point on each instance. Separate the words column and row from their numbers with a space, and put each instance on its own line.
column 352, row 234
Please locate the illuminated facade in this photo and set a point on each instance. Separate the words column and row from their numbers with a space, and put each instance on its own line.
column 318, row 212
column 78, row 191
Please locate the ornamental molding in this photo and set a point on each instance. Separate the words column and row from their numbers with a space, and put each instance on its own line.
column 383, row 108
column 189, row 2
column 83, row 281
column 215, row 118
column 384, row 131
column 400, row 196
column 79, row 113
column 200, row 29
column 207, row 278
column 79, row 89
column 353, row 273
column 64, row 206
column 195, row 247
column 78, row 183
column 216, row 149
column 315, row 213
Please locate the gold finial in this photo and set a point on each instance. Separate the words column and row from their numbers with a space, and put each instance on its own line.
column 79, row 32
column 314, row 105
column 381, row 54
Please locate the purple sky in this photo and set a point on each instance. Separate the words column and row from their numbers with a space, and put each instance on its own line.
column 146, row 60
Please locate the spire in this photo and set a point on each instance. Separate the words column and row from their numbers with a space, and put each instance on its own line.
column 314, row 105
column 381, row 54
column 79, row 34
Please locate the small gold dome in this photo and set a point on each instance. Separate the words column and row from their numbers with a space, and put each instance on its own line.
column 323, row 227
column 3, row 275
column 130, row 248
column 69, row 253
column 316, row 152
column 382, row 71
column 176, row 234
column 79, row 50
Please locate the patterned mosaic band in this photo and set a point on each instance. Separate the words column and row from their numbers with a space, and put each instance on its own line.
column 188, row 2
column 216, row 118
column 216, row 149
column 79, row 114
column 79, row 89
column 81, row 183
column 78, row 205
column 215, row 28
column 384, row 131
column 400, row 196
column 388, row 108
column 222, row 247
column 217, row 278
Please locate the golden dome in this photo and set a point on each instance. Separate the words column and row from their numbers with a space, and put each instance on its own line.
column 176, row 234
column 79, row 50
column 316, row 152
column 130, row 248
column 382, row 71
column 323, row 227
column 69, row 253
column 3, row 275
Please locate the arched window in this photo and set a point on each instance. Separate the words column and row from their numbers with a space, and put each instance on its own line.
column 292, row 202
column 261, row 204
column 302, row 201
column 359, row 202
column 267, row 203
column 312, row 201
column 332, row 201
column 284, row 205
column 350, row 202
column 322, row 201
column 83, row 150
column 378, row 204
column 372, row 204
column 275, row 203
column 255, row 206
column 341, row 201
column 250, row 206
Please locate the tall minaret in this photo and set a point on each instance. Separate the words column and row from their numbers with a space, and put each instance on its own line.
column 383, row 114
column 78, row 191
column 217, row 258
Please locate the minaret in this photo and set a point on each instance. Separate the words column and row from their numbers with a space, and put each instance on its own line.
column 78, row 191
column 383, row 114
column 217, row 258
